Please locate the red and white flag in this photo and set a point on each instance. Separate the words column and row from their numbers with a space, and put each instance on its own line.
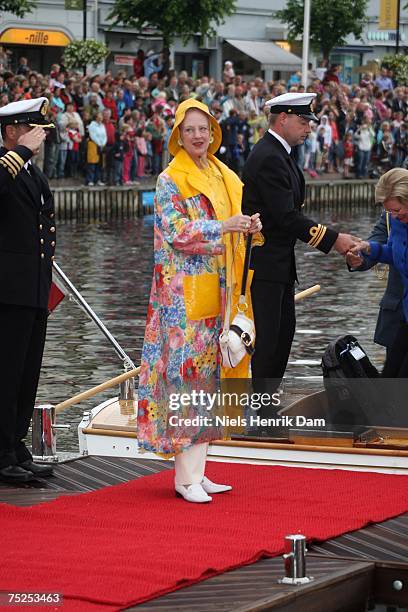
column 57, row 293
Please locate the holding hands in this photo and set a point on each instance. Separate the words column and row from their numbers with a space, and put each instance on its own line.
column 354, row 257
column 345, row 243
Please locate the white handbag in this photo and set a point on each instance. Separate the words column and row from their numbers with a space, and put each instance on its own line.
column 237, row 338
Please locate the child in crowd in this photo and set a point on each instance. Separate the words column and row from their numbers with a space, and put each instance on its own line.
column 129, row 152
column 149, row 153
column 385, row 142
column 364, row 137
column 141, row 147
column 313, row 148
column 64, row 146
column 73, row 153
column 326, row 145
column 118, row 153
column 239, row 154
column 321, row 151
column 348, row 153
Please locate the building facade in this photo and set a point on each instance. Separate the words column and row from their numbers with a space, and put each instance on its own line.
column 253, row 38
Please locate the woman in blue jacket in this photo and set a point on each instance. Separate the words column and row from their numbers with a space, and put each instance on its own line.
column 392, row 191
column 390, row 312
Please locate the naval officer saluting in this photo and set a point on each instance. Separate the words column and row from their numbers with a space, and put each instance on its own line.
column 275, row 187
column 27, row 244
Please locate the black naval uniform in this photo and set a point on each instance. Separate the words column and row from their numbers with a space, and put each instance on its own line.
column 27, row 244
column 275, row 187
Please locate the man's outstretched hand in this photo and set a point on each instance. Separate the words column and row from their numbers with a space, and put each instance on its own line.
column 345, row 243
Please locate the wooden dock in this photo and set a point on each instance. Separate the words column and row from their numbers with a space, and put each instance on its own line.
column 368, row 565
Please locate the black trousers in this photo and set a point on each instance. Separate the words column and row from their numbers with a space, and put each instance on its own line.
column 22, row 332
column 275, row 321
column 396, row 365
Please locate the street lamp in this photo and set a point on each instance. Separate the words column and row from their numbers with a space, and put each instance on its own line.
column 84, row 34
column 305, row 46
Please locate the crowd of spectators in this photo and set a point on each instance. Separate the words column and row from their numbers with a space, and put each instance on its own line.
column 113, row 128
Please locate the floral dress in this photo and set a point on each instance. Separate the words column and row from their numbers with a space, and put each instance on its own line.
column 180, row 353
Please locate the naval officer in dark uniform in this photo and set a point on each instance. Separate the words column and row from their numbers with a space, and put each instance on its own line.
column 27, row 244
column 275, row 187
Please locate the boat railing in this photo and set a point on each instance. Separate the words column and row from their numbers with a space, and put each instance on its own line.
column 44, row 426
column 83, row 304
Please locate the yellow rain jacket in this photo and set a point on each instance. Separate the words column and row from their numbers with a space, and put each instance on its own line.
column 191, row 181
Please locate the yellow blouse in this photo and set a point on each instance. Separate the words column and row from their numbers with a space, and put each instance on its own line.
column 219, row 194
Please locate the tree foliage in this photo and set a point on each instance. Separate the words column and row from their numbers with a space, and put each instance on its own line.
column 330, row 22
column 399, row 65
column 80, row 53
column 173, row 17
column 17, row 7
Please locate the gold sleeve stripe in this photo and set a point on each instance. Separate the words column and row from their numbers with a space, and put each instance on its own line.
column 317, row 232
column 317, row 237
column 12, row 162
column 321, row 236
column 314, row 233
column 9, row 168
column 17, row 157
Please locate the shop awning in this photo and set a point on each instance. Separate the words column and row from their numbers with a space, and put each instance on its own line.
column 22, row 36
column 353, row 49
column 267, row 54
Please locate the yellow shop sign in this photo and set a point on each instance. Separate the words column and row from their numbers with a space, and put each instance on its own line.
column 20, row 36
column 388, row 15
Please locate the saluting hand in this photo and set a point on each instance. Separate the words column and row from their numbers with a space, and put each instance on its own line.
column 33, row 139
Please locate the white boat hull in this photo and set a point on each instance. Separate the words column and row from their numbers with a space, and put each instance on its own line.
column 102, row 440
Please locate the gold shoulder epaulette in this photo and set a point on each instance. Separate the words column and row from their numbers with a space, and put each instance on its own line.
column 316, row 232
column 12, row 162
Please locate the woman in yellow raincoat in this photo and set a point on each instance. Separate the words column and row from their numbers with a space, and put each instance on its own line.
column 198, row 252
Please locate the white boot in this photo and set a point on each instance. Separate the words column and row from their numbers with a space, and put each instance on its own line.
column 193, row 493
column 212, row 487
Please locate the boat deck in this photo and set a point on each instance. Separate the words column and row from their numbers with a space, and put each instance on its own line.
column 348, row 570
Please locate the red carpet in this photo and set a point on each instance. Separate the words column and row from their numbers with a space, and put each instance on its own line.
column 129, row 543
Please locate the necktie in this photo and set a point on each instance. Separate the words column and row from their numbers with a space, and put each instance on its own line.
column 294, row 167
